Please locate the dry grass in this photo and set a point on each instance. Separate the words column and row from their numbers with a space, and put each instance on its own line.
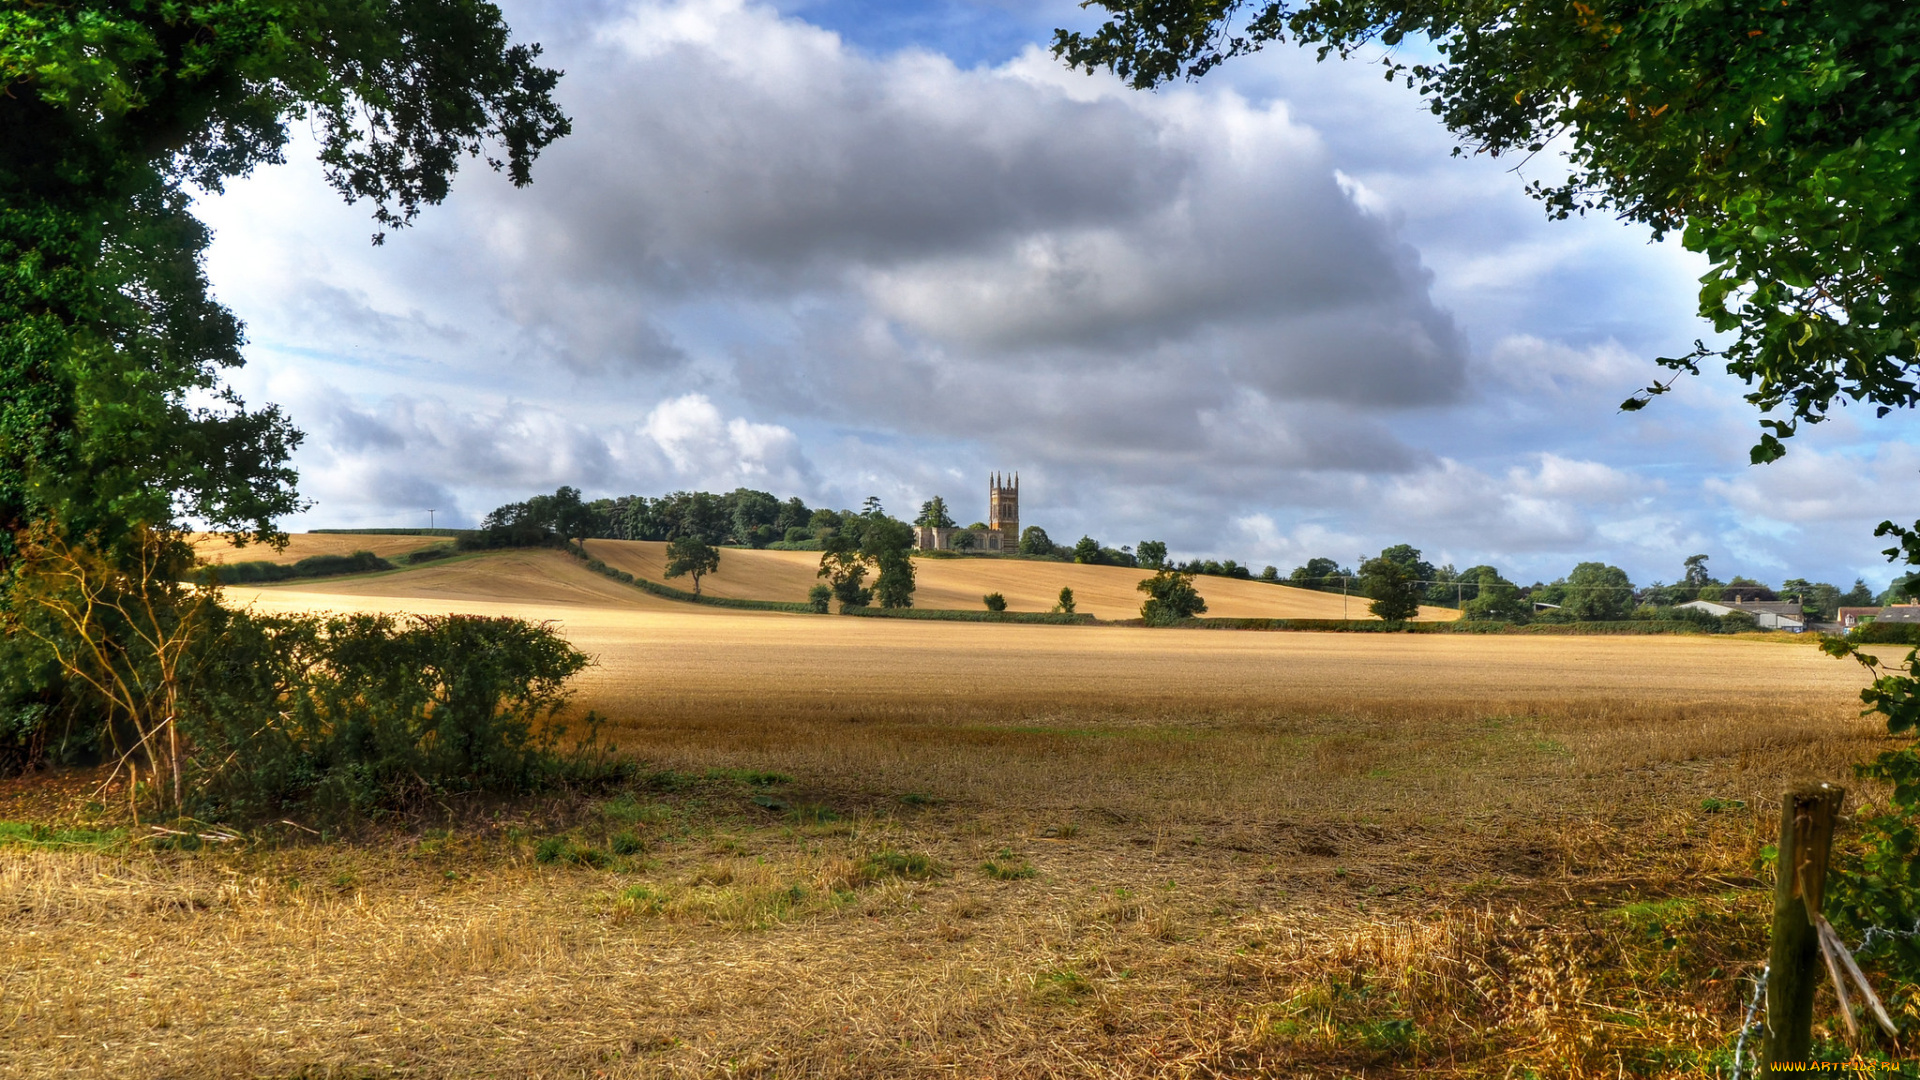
column 986, row 850
column 1106, row 592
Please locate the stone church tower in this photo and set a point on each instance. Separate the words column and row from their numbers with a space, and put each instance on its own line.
column 1003, row 509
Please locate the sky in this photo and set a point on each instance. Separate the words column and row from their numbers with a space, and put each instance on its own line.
column 841, row 248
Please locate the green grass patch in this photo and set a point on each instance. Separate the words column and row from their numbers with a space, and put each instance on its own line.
column 1006, row 866
column 1061, row 986
column 563, row 851
column 627, row 810
column 28, row 834
column 750, row 777
column 888, row 863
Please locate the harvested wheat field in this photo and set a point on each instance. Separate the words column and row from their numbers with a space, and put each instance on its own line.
column 217, row 549
column 958, row 584
column 877, row 848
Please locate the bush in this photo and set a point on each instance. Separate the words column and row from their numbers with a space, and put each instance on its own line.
column 357, row 714
column 1734, row 622
column 888, row 863
column 821, row 597
column 1885, row 633
column 799, row 534
column 995, row 602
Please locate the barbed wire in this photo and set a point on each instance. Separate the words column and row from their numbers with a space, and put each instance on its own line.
column 1878, row 933
column 1747, row 1025
column 1753, row 1019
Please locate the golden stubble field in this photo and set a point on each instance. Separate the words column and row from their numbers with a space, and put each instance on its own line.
column 867, row 848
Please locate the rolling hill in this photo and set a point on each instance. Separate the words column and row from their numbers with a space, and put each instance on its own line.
column 545, row 576
column 1106, row 592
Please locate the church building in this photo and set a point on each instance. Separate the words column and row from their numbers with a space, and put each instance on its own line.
column 1002, row 533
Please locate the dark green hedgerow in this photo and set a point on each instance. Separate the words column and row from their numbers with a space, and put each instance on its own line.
column 1368, row 626
column 1052, row 618
column 248, row 573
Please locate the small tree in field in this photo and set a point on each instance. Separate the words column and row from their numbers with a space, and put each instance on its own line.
column 845, row 567
column 1391, row 584
column 1170, row 598
column 690, row 555
column 995, row 602
column 1066, row 601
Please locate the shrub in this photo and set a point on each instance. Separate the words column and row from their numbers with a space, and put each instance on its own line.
column 995, row 602
column 1065, row 604
column 1733, row 622
column 1885, row 633
column 361, row 713
column 820, row 597
column 1006, row 866
column 888, row 863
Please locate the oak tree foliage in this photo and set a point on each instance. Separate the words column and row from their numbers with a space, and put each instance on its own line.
column 113, row 414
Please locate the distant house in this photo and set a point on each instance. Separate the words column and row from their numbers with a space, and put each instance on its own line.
column 1851, row 617
column 1768, row 614
column 1900, row 613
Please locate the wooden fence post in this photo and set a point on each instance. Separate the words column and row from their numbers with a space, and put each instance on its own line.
column 1793, row 972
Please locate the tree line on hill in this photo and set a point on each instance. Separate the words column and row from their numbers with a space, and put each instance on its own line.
column 1403, row 580
column 868, row 544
